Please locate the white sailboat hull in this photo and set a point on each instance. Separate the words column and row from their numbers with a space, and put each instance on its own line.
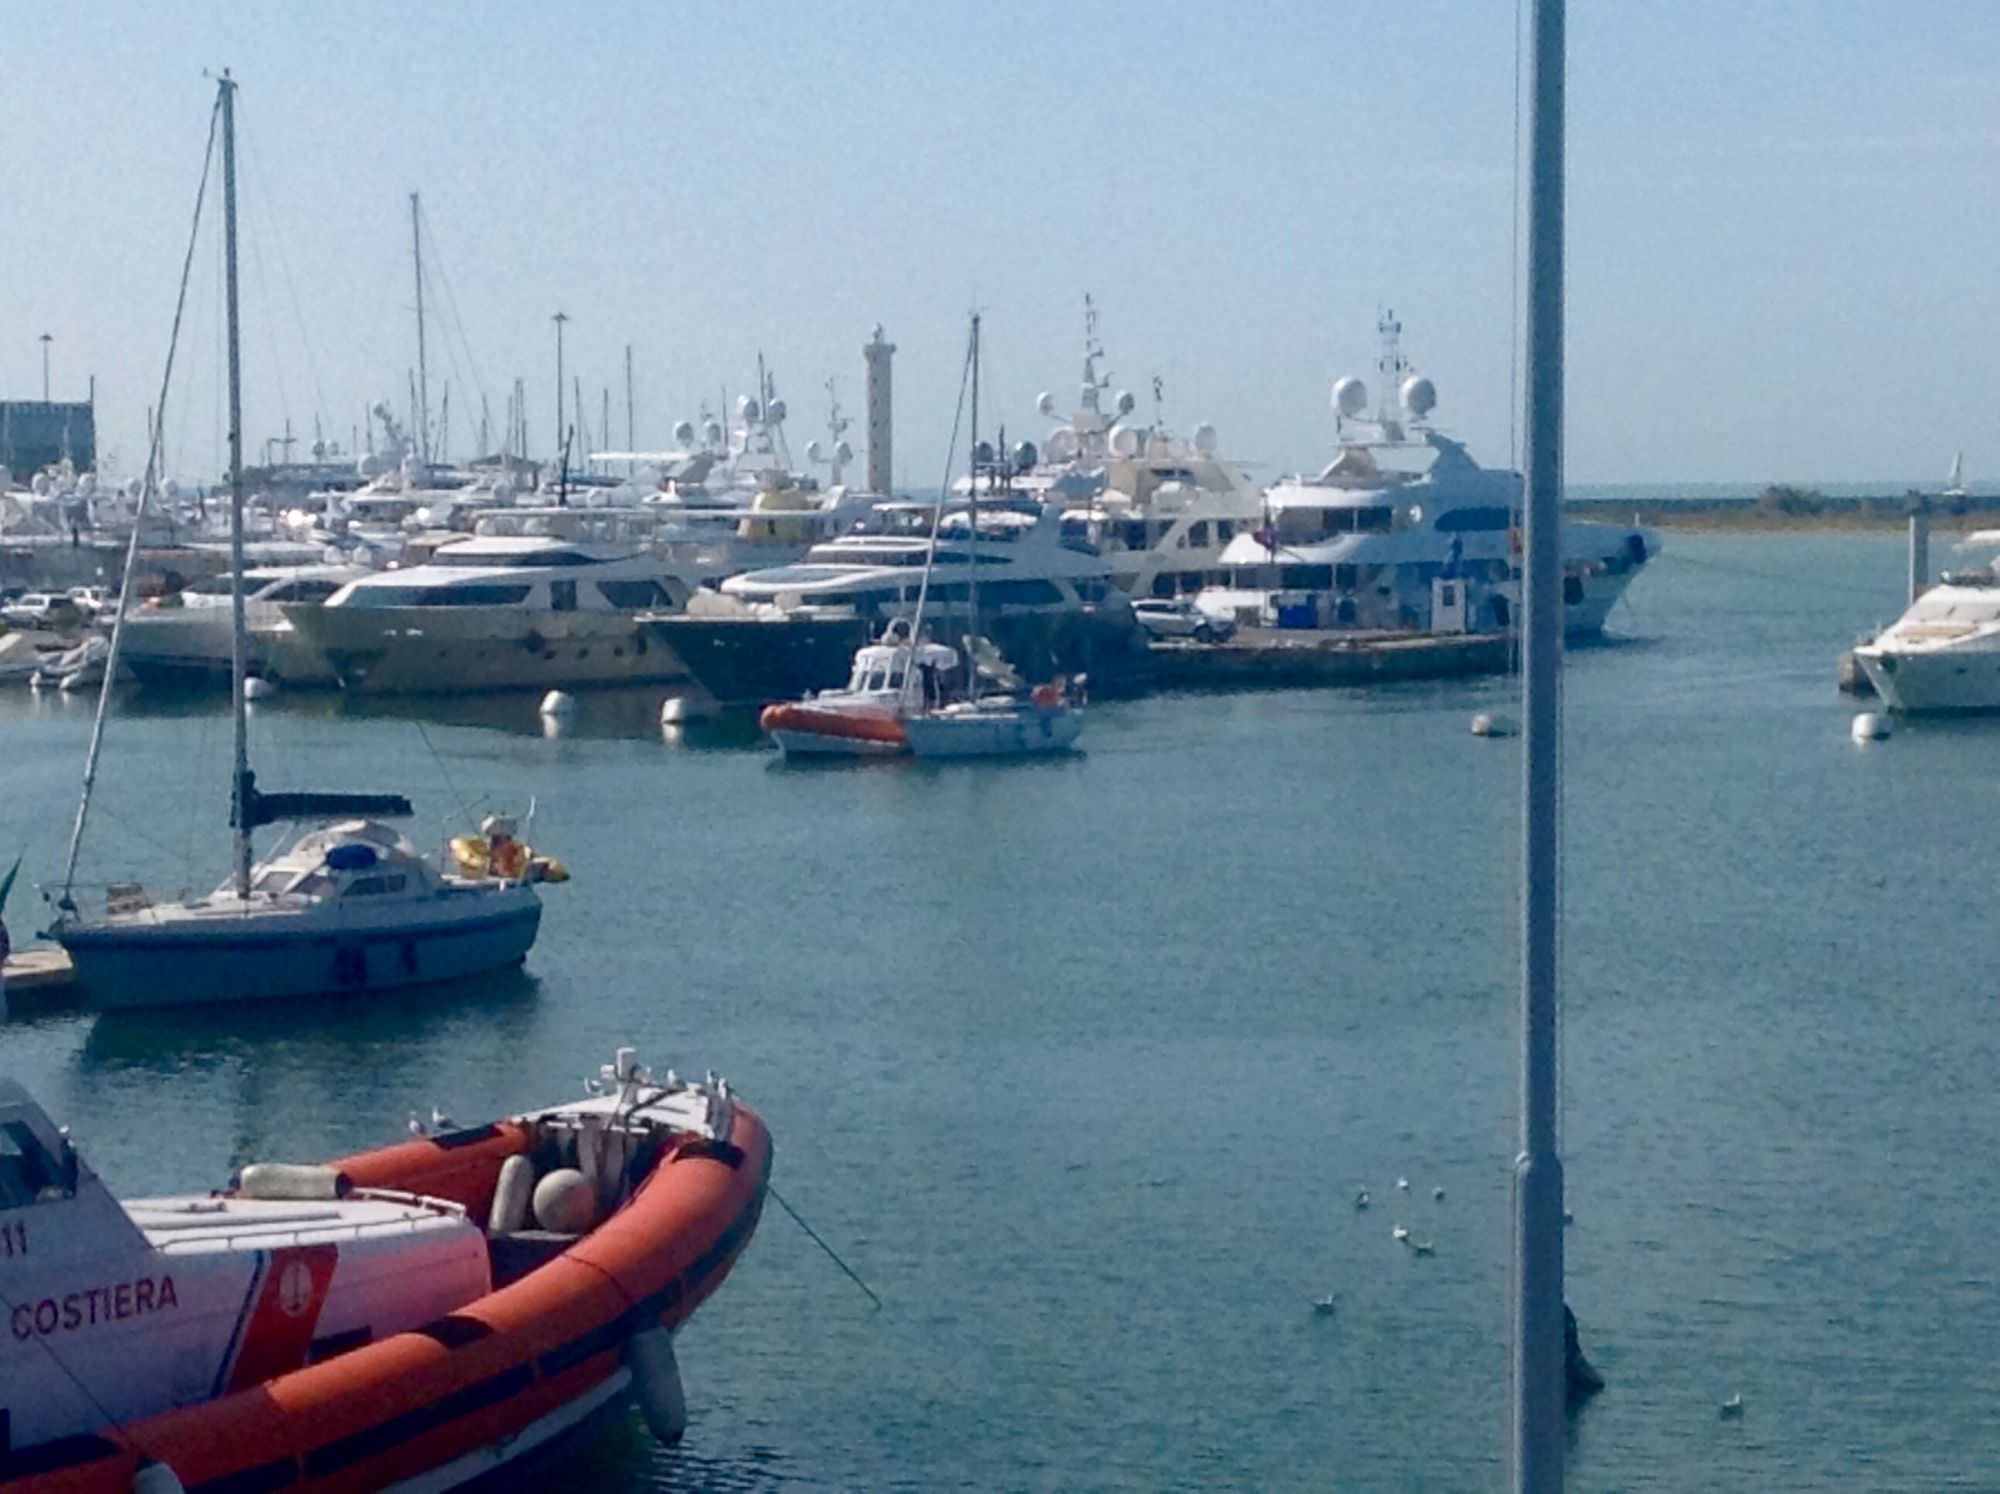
column 162, row 958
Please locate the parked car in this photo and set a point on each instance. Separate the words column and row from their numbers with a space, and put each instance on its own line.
column 42, row 609
column 92, row 600
column 1172, row 617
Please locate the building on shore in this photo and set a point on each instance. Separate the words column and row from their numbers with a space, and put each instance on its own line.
column 37, row 433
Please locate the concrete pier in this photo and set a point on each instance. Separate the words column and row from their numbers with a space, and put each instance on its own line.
column 1289, row 658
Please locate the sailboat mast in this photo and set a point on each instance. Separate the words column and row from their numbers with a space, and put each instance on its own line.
column 423, row 381
column 239, row 635
column 1538, row 1367
column 972, row 531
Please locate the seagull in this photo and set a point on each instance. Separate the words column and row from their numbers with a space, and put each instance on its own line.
column 440, row 1121
column 1423, row 1247
column 1438, row 1193
column 1323, row 1305
column 1404, row 1184
column 1733, row 1407
column 417, row 1126
column 1400, row 1232
column 1361, row 1200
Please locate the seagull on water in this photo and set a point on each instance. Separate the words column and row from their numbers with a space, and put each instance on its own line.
column 417, row 1126
column 1323, row 1305
column 1361, row 1200
column 1400, row 1232
column 1733, row 1407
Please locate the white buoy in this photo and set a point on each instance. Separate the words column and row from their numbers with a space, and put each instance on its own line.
column 656, row 1384
column 511, row 1197
column 156, row 1478
column 1872, row 726
column 1404, row 1184
column 259, row 688
column 676, row 710
column 558, row 704
column 1488, row 724
column 565, row 1202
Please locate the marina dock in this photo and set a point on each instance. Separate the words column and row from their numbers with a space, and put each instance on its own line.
column 1290, row 658
column 39, row 976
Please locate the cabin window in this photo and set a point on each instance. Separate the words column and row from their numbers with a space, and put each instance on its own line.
column 28, row 1173
column 1022, row 593
column 562, row 596
column 1573, row 590
column 1347, row 577
column 375, row 886
column 1197, row 535
column 314, row 591
column 1225, row 530
column 875, row 680
column 630, row 596
column 1457, row 520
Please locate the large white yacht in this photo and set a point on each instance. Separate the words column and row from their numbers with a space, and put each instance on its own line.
column 535, row 597
column 1403, row 530
column 1160, row 507
column 1943, row 654
column 188, row 638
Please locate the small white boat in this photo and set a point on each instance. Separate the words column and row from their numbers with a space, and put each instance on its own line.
column 893, row 681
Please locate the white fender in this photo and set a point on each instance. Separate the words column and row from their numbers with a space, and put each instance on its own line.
column 565, row 1204
column 656, row 1383
column 289, row 1180
column 511, row 1197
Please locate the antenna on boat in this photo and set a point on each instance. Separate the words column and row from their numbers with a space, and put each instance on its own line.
column 1538, row 1385
column 423, row 378
column 972, row 528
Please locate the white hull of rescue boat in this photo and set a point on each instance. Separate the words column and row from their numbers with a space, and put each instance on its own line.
column 142, row 960
column 796, row 743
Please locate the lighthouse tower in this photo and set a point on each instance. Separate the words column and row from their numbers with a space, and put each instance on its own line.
column 878, row 351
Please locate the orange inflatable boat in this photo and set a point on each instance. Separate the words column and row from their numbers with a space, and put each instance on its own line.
column 415, row 1316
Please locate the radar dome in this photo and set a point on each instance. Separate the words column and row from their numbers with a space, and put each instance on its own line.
column 1350, row 396
column 748, row 408
column 983, row 453
column 86, row 485
column 39, row 485
column 1126, row 404
column 502, row 491
column 1025, row 454
column 712, row 432
column 1061, row 444
column 815, row 452
column 1124, row 441
column 1046, row 404
column 776, row 413
column 1420, row 396
column 843, row 452
column 1204, row 439
column 684, row 433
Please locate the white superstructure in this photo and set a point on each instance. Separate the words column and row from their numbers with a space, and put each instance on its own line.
column 1404, row 530
column 189, row 637
column 536, row 597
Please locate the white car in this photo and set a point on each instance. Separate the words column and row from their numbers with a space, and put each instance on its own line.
column 42, row 609
column 1164, row 617
column 92, row 600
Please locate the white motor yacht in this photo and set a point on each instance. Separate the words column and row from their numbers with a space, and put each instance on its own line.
column 188, row 638
column 1943, row 654
column 1403, row 530
column 536, row 597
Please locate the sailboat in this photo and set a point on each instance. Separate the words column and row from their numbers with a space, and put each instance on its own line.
column 987, row 724
column 350, row 906
column 1954, row 485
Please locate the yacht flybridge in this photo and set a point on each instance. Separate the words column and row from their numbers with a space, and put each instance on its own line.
column 535, row 597
column 1404, row 530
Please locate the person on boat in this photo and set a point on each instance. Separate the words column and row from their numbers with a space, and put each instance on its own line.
column 506, row 857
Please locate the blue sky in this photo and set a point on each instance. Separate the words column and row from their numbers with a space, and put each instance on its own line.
column 1781, row 215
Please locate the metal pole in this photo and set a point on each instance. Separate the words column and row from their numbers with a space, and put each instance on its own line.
column 631, row 442
column 423, row 381
column 46, row 339
column 1538, row 1391
column 1920, row 547
column 240, row 794
column 559, row 319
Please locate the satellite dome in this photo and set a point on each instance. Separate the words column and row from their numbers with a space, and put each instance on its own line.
column 1126, row 404
column 1204, row 439
column 1061, row 444
column 133, row 487
column 983, row 453
column 748, row 408
column 333, row 555
column 170, row 490
column 815, row 452
column 39, row 485
column 712, row 432
column 684, row 433
column 1025, row 454
column 1124, row 441
column 1046, row 403
column 1419, row 395
column 843, row 452
column 776, row 412
column 502, row 491
column 1350, row 396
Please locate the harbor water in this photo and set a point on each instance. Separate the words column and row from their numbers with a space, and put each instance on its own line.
column 1081, row 1063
